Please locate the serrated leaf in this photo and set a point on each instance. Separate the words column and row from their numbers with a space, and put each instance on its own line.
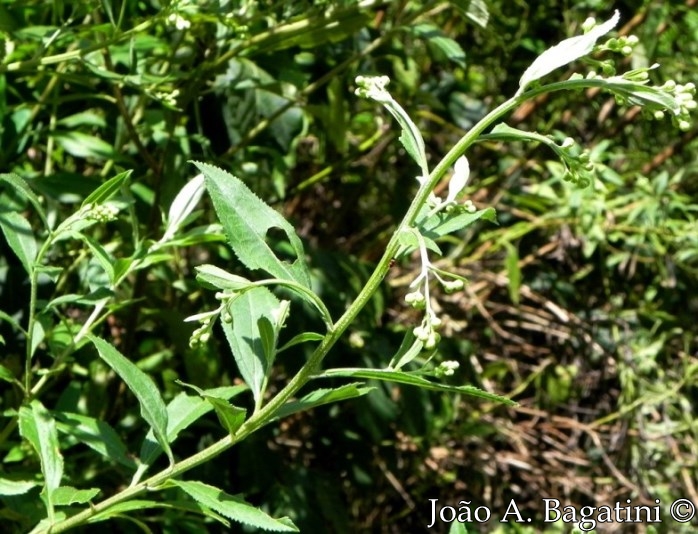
column 67, row 496
column 247, row 220
column 38, row 427
column 15, row 487
column 233, row 507
column 410, row 379
column 565, row 52
column 322, row 396
column 152, row 406
column 107, row 190
column 96, row 434
column 245, row 338
column 20, row 236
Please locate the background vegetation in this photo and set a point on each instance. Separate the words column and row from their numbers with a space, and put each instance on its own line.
column 581, row 304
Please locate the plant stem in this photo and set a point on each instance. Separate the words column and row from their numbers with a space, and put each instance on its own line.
column 310, row 368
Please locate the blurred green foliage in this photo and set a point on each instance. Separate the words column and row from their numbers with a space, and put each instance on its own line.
column 581, row 302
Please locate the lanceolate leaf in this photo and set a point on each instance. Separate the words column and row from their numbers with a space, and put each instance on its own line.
column 107, row 190
column 234, row 507
column 565, row 52
column 21, row 185
column 20, row 236
column 142, row 386
column 97, row 435
column 246, row 220
column 38, row 427
column 245, row 338
column 415, row 380
column 445, row 223
column 322, row 396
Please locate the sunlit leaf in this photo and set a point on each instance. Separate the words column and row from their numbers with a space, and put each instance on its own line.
column 247, row 220
column 322, row 396
column 20, row 236
column 38, row 427
column 410, row 379
column 244, row 336
column 233, row 507
column 152, row 406
column 565, row 52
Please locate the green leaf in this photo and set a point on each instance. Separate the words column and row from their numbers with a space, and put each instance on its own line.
column 152, row 406
column 436, row 38
column 82, row 145
column 96, row 434
column 67, row 496
column 458, row 528
column 234, row 508
column 107, row 190
column 475, row 10
column 182, row 411
column 216, row 278
column 409, row 349
column 20, row 236
column 183, row 204
column 6, row 375
column 410, row 379
column 446, row 223
column 246, row 220
column 12, row 322
column 320, row 397
column 301, row 338
column 106, row 261
column 136, row 505
column 38, row 427
column 231, row 417
column 15, row 487
column 245, row 338
column 565, row 52
column 21, row 185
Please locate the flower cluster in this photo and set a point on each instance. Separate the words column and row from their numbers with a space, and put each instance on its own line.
column 684, row 94
column 102, row 212
column 419, row 298
column 578, row 164
column 168, row 98
column 374, row 88
column 447, row 368
column 178, row 21
column 206, row 319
